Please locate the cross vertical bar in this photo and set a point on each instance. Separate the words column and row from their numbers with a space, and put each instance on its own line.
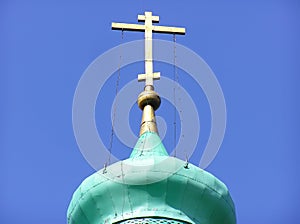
column 148, row 49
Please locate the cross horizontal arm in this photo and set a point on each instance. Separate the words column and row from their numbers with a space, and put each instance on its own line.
column 168, row 29
column 128, row 26
column 155, row 29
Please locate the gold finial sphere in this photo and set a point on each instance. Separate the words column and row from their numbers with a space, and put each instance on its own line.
column 148, row 97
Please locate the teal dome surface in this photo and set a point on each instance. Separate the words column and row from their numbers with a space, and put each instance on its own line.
column 151, row 187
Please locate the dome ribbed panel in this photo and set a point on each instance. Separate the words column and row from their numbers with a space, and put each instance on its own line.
column 151, row 221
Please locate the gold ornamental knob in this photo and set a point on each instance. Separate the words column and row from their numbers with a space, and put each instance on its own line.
column 148, row 97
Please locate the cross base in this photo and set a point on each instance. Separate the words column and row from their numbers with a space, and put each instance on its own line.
column 145, row 77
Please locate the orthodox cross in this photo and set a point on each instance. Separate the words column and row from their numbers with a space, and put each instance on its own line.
column 148, row 28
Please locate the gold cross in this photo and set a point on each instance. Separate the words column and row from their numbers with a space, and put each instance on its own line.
column 148, row 28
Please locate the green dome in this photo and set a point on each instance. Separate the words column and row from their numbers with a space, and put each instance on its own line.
column 151, row 187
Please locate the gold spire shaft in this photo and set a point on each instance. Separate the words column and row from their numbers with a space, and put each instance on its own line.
column 148, row 120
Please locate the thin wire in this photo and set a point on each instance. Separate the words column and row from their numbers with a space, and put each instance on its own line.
column 123, row 193
column 175, row 79
column 115, row 107
column 112, row 201
column 177, row 86
column 113, row 123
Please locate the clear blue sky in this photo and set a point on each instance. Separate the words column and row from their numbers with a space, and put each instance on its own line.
column 252, row 46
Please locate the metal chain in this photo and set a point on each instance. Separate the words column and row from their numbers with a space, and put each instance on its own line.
column 175, row 79
column 115, row 107
column 176, row 85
